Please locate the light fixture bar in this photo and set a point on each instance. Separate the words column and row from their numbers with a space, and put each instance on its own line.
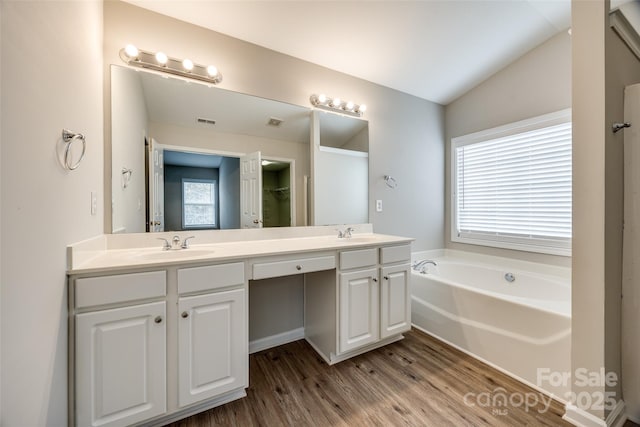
column 159, row 61
column 337, row 106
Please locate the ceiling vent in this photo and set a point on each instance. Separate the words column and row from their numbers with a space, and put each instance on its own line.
column 273, row 121
column 206, row 121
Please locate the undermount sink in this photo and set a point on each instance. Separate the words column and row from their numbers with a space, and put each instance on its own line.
column 160, row 254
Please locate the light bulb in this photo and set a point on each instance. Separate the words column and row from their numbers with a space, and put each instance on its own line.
column 336, row 102
column 362, row 108
column 322, row 98
column 349, row 106
column 187, row 64
column 161, row 57
column 212, row 71
column 131, row 51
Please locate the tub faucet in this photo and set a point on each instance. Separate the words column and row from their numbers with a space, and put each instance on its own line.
column 419, row 265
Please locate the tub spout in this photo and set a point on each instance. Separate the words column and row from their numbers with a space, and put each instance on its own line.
column 420, row 265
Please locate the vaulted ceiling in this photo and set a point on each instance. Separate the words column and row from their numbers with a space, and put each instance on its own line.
column 433, row 49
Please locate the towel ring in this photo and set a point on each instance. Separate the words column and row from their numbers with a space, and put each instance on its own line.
column 69, row 137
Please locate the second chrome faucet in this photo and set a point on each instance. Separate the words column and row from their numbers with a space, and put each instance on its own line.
column 175, row 243
column 346, row 234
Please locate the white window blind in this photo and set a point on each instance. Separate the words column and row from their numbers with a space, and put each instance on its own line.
column 514, row 190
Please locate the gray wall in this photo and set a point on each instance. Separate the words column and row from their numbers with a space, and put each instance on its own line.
column 405, row 132
column 229, row 172
column 173, row 176
column 51, row 79
column 537, row 83
column 269, row 298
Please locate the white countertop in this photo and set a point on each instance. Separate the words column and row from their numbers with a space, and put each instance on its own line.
column 94, row 256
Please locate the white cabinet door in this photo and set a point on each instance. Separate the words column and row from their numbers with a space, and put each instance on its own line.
column 213, row 350
column 395, row 300
column 120, row 365
column 358, row 309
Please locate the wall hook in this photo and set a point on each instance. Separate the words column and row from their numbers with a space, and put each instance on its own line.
column 126, row 176
column 390, row 181
column 619, row 126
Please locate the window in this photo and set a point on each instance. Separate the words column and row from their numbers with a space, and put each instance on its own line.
column 511, row 186
column 198, row 203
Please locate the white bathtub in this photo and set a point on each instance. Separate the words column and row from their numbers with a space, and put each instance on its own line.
column 517, row 327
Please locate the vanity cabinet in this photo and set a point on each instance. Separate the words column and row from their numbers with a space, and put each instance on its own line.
column 212, row 333
column 154, row 342
column 395, row 300
column 368, row 307
column 120, row 353
column 149, row 345
column 358, row 309
column 395, row 292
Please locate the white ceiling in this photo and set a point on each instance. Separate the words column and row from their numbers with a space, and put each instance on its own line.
column 434, row 49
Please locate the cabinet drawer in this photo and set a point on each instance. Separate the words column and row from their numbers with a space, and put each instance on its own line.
column 120, row 288
column 359, row 258
column 294, row 266
column 198, row 279
column 391, row 254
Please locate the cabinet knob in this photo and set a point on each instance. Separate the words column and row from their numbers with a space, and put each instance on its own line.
column 158, row 319
column 375, row 279
column 298, row 267
column 184, row 314
column 386, row 277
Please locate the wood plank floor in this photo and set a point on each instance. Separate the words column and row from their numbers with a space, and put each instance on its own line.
column 418, row 381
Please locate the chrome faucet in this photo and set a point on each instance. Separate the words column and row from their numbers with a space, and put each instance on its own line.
column 165, row 245
column 419, row 265
column 185, row 242
column 346, row 234
column 175, row 243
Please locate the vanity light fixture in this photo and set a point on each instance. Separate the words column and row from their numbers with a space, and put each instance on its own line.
column 337, row 105
column 159, row 61
column 131, row 51
column 162, row 58
column 187, row 64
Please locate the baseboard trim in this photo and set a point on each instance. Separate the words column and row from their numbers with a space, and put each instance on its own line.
column 276, row 340
column 581, row 418
column 163, row 420
column 618, row 416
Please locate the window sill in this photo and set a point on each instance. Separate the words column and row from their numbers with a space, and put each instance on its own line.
column 548, row 250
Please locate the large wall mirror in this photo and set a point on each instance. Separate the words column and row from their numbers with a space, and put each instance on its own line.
column 186, row 156
column 341, row 169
